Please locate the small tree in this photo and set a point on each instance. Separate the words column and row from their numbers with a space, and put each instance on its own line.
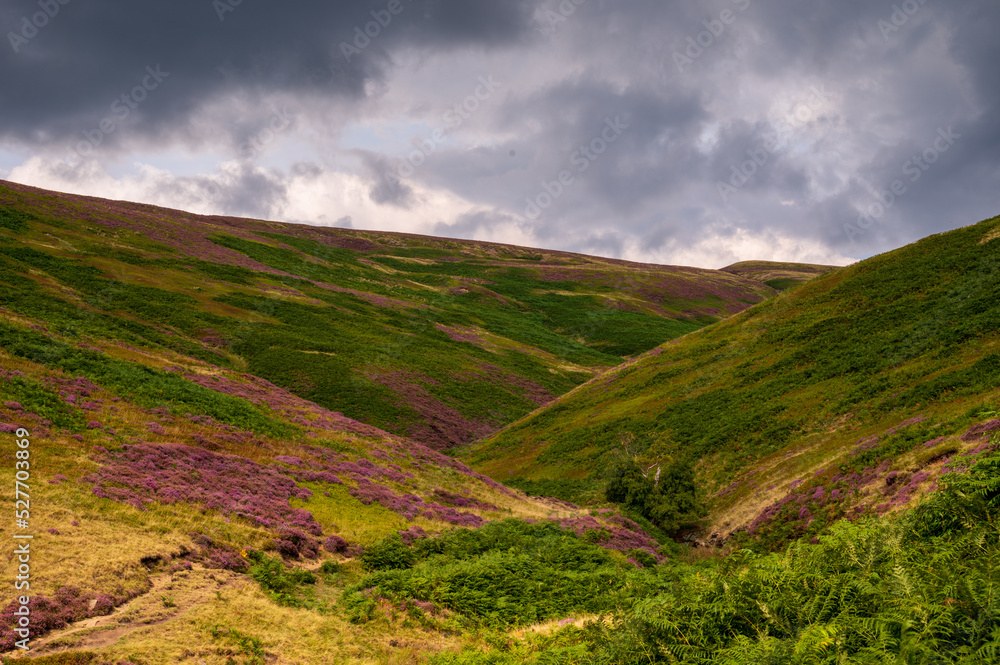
column 671, row 501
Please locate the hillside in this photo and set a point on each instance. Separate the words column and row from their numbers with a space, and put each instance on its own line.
column 851, row 393
column 184, row 508
column 443, row 341
column 193, row 411
column 778, row 275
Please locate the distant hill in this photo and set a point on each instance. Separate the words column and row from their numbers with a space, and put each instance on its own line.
column 779, row 276
column 440, row 340
column 870, row 380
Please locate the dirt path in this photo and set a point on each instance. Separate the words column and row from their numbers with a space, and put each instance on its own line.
column 171, row 597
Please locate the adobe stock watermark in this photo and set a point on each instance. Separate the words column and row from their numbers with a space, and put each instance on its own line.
column 223, row 7
column 704, row 40
column 453, row 118
column 121, row 109
column 280, row 120
column 900, row 16
column 914, row 168
column 774, row 142
column 372, row 29
column 552, row 19
column 29, row 26
column 581, row 159
column 21, row 618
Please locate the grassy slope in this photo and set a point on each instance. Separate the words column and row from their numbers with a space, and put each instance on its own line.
column 440, row 340
column 114, row 364
column 793, row 390
column 778, row 275
column 156, row 457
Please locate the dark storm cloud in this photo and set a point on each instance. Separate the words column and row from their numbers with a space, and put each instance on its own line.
column 89, row 53
column 842, row 96
column 563, row 129
column 893, row 90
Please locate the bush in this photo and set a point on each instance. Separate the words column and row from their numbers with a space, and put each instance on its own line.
column 671, row 502
column 505, row 573
column 282, row 584
column 335, row 544
column 644, row 558
column 388, row 554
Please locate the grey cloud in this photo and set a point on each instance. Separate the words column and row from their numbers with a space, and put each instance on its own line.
column 388, row 188
column 89, row 54
column 654, row 188
column 476, row 223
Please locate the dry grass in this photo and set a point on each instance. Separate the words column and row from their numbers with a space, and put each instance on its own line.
column 200, row 616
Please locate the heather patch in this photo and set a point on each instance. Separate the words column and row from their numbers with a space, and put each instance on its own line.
column 138, row 475
column 852, row 492
column 328, row 466
column 292, row 407
column 490, row 372
column 461, row 501
column 335, row 544
column 65, row 606
column 440, row 426
column 458, row 335
column 422, row 455
column 39, row 400
column 618, row 533
column 981, row 431
column 411, row 505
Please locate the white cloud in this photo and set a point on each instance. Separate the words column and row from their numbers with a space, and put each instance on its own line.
column 717, row 250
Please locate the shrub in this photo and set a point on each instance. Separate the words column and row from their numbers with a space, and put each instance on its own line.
column 388, row 554
column 671, row 502
column 335, row 544
column 644, row 558
column 283, row 585
column 505, row 573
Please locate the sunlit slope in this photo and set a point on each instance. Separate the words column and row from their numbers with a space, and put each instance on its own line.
column 778, row 275
column 849, row 374
column 440, row 340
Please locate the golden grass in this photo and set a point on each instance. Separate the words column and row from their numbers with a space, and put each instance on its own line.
column 200, row 616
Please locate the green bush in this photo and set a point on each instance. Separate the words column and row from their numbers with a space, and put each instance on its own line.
column 671, row 503
column 388, row 554
column 504, row 573
column 14, row 220
column 284, row 585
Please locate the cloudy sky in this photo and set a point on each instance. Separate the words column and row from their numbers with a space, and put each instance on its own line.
column 695, row 133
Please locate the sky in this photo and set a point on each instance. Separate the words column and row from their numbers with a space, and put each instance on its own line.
column 673, row 132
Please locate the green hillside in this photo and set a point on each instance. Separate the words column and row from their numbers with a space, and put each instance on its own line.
column 205, row 421
column 863, row 383
column 777, row 275
column 443, row 341
column 173, row 392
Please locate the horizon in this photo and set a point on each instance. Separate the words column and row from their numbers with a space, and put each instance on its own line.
column 420, row 235
column 699, row 135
